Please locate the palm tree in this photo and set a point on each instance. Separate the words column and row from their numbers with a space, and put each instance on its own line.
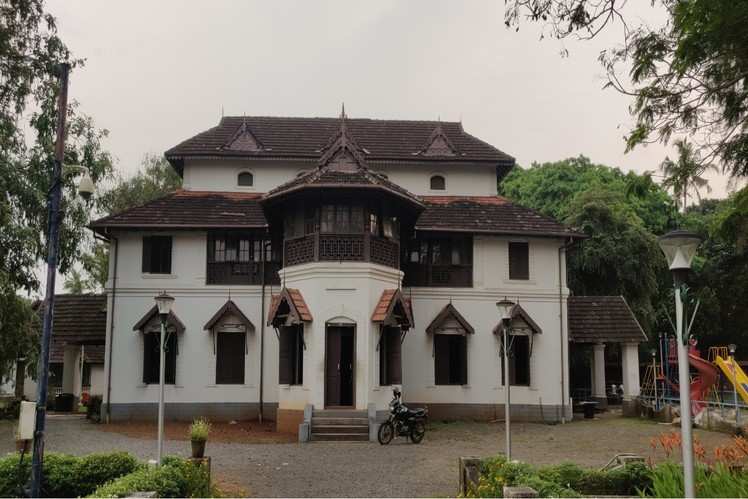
column 685, row 174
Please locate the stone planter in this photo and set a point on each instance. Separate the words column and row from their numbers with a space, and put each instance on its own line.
column 198, row 448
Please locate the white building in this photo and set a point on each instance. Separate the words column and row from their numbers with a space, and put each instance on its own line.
column 317, row 262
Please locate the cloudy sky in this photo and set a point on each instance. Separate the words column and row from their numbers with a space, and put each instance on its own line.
column 158, row 72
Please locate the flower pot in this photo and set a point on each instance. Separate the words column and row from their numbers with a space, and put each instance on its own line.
column 198, row 448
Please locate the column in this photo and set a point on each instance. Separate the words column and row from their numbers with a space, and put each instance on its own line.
column 599, row 374
column 69, row 368
column 630, row 368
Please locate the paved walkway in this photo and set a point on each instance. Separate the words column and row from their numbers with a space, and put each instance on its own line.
column 365, row 469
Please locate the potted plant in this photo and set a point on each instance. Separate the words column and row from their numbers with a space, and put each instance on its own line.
column 199, row 430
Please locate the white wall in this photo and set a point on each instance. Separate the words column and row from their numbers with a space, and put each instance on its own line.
column 221, row 175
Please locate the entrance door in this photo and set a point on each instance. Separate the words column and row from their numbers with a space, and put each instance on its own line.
column 339, row 366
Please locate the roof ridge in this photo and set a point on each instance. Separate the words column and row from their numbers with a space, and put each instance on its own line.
column 333, row 118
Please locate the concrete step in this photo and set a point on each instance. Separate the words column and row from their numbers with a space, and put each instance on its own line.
column 340, row 437
column 339, row 421
column 339, row 413
column 323, row 429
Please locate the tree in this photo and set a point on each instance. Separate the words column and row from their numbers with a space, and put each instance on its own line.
column 154, row 179
column 686, row 78
column 686, row 174
column 30, row 53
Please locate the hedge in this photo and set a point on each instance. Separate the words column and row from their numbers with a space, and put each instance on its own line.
column 176, row 477
column 65, row 475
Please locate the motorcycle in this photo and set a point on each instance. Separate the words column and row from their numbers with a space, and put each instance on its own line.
column 402, row 422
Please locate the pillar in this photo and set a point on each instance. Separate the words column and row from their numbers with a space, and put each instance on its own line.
column 69, row 368
column 598, row 384
column 630, row 368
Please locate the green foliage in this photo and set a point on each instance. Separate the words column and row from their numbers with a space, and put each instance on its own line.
column 667, row 481
column 65, row 475
column 199, row 430
column 687, row 77
column 176, row 477
column 685, row 175
column 562, row 480
column 19, row 326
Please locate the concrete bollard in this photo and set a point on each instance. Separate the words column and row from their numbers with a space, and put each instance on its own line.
column 469, row 474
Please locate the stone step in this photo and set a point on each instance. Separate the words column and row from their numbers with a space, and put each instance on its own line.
column 339, row 413
column 340, row 437
column 322, row 429
column 339, row 421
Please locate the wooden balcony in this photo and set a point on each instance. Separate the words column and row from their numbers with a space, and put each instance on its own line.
column 359, row 247
column 425, row 275
column 242, row 273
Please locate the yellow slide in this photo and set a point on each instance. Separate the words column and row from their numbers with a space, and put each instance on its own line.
column 735, row 375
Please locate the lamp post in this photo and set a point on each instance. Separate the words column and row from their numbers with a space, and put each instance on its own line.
column 164, row 303
column 733, row 365
column 505, row 313
column 679, row 247
column 654, row 377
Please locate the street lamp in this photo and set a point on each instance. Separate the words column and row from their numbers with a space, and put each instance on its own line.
column 505, row 314
column 679, row 247
column 732, row 347
column 654, row 377
column 164, row 303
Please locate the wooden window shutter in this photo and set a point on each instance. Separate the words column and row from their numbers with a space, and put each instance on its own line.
column 146, row 264
column 149, row 351
column 463, row 360
column 441, row 359
column 394, row 365
column 170, row 373
column 519, row 260
column 230, row 358
column 284, row 356
column 383, row 359
column 166, row 255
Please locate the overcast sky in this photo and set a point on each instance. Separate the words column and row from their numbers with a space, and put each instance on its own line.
column 158, row 72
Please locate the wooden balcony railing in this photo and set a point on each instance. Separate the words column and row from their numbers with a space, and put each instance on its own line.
column 362, row 247
column 419, row 274
column 242, row 273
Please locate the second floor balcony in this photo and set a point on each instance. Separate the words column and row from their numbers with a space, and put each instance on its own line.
column 351, row 247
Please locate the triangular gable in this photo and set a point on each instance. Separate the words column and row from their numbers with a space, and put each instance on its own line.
column 288, row 308
column 393, row 309
column 521, row 322
column 229, row 309
column 438, row 144
column 449, row 321
column 151, row 321
column 243, row 140
column 342, row 152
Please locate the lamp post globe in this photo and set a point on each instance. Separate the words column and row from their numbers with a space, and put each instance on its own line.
column 164, row 303
column 679, row 247
column 505, row 310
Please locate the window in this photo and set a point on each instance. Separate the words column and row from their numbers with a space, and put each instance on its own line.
column 230, row 355
column 450, row 359
column 157, row 254
column 438, row 183
column 291, row 356
column 439, row 261
column 151, row 358
column 236, row 258
column 519, row 361
column 342, row 219
column 390, row 357
column 519, row 261
column 245, row 179
column 86, row 381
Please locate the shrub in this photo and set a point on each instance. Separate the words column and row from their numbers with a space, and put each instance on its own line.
column 93, row 408
column 719, row 481
column 65, row 475
column 199, row 430
column 176, row 477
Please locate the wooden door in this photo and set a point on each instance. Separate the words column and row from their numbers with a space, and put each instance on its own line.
column 332, row 366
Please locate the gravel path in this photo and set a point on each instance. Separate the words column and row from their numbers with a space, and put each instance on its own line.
column 363, row 469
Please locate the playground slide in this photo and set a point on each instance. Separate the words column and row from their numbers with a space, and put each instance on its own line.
column 735, row 374
column 701, row 385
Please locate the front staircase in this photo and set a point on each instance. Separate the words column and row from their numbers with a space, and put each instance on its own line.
column 340, row 425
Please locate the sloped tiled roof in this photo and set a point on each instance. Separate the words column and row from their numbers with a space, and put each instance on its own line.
column 600, row 319
column 449, row 319
column 295, row 301
column 304, row 138
column 387, row 304
column 486, row 214
column 191, row 209
column 78, row 319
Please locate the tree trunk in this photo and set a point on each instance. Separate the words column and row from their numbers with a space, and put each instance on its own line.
column 20, row 377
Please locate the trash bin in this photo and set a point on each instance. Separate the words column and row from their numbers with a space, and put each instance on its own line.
column 589, row 409
column 64, row 402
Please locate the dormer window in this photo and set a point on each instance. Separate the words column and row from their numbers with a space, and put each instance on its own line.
column 438, row 183
column 245, row 179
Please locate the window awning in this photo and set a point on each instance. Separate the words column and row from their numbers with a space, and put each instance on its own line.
column 522, row 323
column 393, row 309
column 288, row 308
column 230, row 317
column 150, row 322
column 449, row 321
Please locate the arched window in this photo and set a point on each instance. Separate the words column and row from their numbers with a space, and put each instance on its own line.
column 245, row 179
column 438, row 183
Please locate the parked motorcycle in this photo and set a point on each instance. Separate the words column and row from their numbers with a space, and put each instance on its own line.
column 402, row 422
